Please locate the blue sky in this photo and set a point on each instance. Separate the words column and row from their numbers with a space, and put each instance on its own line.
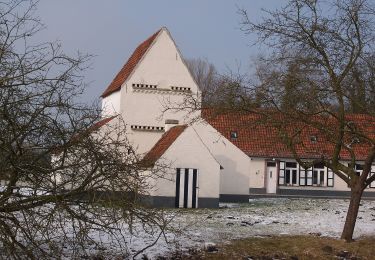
column 111, row 29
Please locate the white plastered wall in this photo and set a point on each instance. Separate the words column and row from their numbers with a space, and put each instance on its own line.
column 111, row 104
column 257, row 172
column 188, row 151
column 162, row 65
column 339, row 184
column 236, row 173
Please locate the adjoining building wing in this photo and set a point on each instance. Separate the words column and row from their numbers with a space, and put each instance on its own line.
column 190, row 174
column 273, row 169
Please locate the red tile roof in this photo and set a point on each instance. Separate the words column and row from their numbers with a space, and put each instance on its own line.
column 102, row 122
column 258, row 138
column 129, row 66
column 163, row 144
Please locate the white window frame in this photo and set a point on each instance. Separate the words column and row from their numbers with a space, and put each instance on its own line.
column 291, row 175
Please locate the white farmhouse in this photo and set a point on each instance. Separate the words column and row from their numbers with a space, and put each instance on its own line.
column 219, row 158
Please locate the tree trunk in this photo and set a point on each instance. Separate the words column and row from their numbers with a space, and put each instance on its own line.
column 351, row 216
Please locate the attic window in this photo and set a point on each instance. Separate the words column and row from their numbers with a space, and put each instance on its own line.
column 233, row 135
column 313, row 139
column 356, row 140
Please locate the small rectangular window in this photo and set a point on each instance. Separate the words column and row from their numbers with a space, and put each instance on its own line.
column 282, row 174
column 309, row 177
column 319, row 166
column 330, row 177
column 291, row 165
column 233, row 134
column 271, row 164
column 302, row 176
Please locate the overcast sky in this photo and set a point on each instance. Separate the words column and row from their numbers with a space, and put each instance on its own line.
column 112, row 29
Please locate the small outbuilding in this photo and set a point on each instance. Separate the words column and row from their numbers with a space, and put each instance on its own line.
column 188, row 176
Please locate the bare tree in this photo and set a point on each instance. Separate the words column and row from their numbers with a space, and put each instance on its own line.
column 205, row 75
column 361, row 86
column 68, row 178
column 218, row 90
column 319, row 71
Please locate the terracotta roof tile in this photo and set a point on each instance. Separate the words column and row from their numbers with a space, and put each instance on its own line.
column 259, row 139
column 163, row 144
column 101, row 123
column 129, row 66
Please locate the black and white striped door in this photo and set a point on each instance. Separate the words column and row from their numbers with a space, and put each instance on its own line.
column 186, row 188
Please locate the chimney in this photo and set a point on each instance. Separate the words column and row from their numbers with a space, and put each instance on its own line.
column 169, row 123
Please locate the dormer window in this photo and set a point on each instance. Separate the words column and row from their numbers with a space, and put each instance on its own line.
column 233, row 135
column 355, row 140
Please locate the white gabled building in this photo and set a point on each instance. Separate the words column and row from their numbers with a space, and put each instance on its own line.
column 218, row 158
column 272, row 170
column 190, row 173
column 155, row 75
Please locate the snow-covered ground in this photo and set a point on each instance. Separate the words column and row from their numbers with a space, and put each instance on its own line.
column 260, row 217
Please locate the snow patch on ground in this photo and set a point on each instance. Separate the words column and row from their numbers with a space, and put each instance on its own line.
column 263, row 217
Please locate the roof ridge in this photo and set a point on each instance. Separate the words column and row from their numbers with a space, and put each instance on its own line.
column 130, row 65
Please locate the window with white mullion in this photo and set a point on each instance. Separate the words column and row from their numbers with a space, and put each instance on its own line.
column 282, row 173
column 309, row 177
column 318, row 175
column 330, row 178
column 291, row 173
column 302, row 176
